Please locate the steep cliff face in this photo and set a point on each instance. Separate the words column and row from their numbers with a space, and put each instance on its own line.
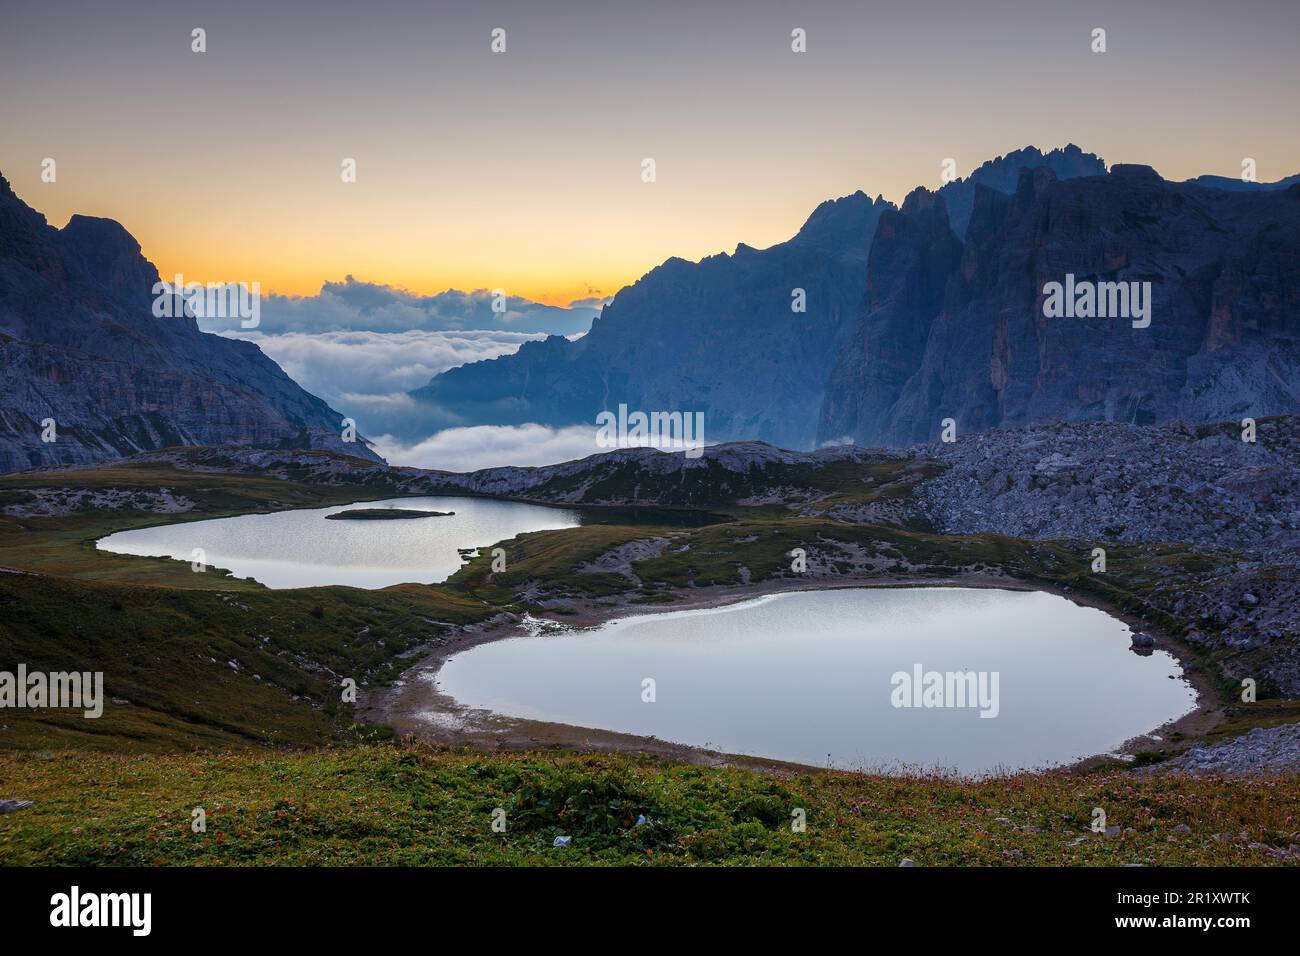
column 912, row 257
column 1224, row 274
column 720, row 336
column 79, row 344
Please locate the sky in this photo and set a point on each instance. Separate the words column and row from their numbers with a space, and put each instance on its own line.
column 522, row 170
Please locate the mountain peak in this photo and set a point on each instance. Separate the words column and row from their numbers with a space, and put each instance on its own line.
column 1003, row 175
column 110, row 257
column 82, row 344
column 100, row 238
column 966, row 335
column 835, row 216
column 1066, row 161
column 921, row 199
column 1135, row 172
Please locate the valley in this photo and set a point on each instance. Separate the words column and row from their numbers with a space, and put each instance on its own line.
column 203, row 663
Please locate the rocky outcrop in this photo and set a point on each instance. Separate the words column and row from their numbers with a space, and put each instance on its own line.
column 1223, row 340
column 1263, row 750
column 79, row 344
column 1237, row 184
column 1102, row 482
column 912, row 258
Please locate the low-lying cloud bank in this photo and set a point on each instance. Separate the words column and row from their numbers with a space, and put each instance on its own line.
column 356, row 306
column 362, row 347
column 331, row 364
column 494, row 446
column 368, row 375
column 491, row 446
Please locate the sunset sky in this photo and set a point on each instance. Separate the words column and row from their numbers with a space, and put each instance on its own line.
column 522, row 170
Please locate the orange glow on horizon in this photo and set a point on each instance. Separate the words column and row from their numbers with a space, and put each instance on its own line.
column 524, row 171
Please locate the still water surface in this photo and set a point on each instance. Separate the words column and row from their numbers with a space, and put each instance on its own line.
column 300, row 548
column 807, row 677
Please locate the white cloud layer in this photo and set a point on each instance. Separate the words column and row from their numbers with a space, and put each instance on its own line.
column 366, row 375
column 330, row 364
column 491, row 446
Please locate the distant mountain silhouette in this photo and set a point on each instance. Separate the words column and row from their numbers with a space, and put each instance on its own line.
column 1002, row 174
column 1238, row 185
column 720, row 335
column 79, row 344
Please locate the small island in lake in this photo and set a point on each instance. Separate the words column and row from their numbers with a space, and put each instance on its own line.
column 386, row 514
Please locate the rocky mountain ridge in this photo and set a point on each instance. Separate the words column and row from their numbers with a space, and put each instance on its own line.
column 79, row 344
column 622, row 477
column 957, row 330
column 724, row 336
column 934, row 310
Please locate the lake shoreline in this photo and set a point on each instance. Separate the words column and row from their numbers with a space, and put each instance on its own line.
column 337, row 545
column 414, row 708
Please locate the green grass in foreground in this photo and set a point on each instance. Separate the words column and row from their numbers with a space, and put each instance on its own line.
column 384, row 804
